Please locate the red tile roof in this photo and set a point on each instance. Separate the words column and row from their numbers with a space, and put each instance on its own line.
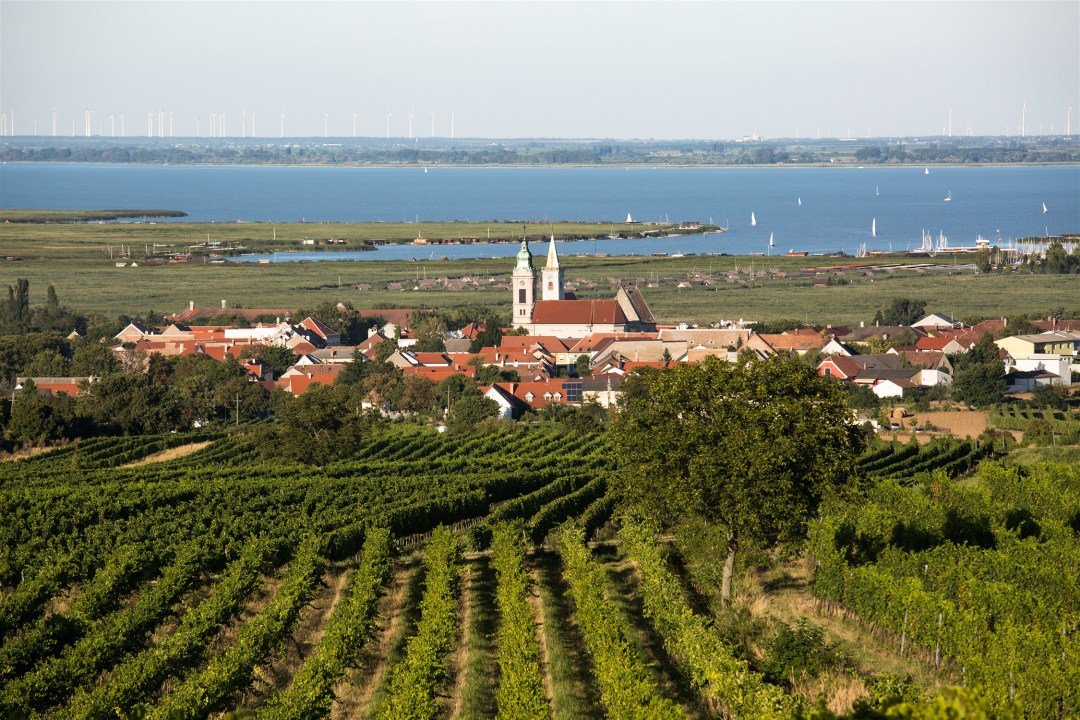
column 933, row 343
column 590, row 342
column 578, row 312
column 301, row 378
column 847, row 367
column 318, row 327
column 549, row 342
column 435, row 374
column 802, row 339
column 521, row 391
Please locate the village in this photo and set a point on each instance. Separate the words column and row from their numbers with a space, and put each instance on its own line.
column 560, row 350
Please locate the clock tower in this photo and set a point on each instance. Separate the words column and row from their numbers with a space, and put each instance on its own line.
column 524, row 286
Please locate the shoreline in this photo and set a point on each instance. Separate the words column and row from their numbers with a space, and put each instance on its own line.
column 546, row 166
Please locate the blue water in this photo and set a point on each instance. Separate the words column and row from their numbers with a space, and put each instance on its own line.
column 838, row 204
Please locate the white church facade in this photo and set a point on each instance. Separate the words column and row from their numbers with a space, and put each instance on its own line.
column 543, row 308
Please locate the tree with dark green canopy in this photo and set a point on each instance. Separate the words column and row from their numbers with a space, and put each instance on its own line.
column 901, row 311
column 752, row 447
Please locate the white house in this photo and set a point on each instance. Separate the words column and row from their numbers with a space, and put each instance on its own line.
column 1060, row 367
column 936, row 320
column 891, row 387
column 507, row 403
column 835, row 347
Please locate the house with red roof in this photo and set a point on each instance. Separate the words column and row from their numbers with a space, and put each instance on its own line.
column 297, row 379
column 949, row 345
column 55, row 385
column 437, row 374
column 801, row 341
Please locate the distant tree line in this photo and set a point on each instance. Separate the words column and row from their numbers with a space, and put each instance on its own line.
column 684, row 152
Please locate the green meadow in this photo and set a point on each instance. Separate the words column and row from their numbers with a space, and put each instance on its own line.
column 74, row 258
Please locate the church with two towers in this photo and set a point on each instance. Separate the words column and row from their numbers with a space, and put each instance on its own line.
column 550, row 310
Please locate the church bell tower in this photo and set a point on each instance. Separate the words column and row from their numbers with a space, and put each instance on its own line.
column 552, row 275
column 524, row 286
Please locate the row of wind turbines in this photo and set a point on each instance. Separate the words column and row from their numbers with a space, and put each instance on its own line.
column 162, row 124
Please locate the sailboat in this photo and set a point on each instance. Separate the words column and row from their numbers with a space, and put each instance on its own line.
column 926, row 171
column 948, row 197
column 1044, row 209
column 798, row 201
column 753, row 220
column 873, row 228
column 771, row 243
column 425, row 171
column 877, row 191
column 629, row 219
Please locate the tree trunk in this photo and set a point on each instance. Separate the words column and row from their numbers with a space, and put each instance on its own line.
column 729, row 567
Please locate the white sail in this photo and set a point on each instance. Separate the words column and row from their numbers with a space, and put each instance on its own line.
column 926, row 171
column 628, row 218
column 948, row 197
column 873, row 228
column 877, row 191
column 753, row 220
column 1044, row 209
column 771, row 243
column 798, row 201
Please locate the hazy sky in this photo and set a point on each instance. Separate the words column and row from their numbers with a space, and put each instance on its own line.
column 560, row 69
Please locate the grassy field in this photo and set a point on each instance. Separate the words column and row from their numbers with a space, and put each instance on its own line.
column 71, row 257
column 28, row 230
column 68, row 216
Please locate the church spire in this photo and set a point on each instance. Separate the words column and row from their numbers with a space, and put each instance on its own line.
column 524, row 256
column 553, row 255
column 552, row 275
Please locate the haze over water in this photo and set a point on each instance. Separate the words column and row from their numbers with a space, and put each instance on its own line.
column 838, row 204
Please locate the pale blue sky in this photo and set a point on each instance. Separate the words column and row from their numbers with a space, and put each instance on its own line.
column 610, row 69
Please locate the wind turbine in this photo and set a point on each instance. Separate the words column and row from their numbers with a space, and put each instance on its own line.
column 282, row 122
column 221, row 129
column 112, row 124
column 432, row 124
column 121, row 124
column 354, row 124
column 170, row 123
column 150, row 124
column 198, row 127
column 388, row 116
column 451, row 124
column 243, row 123
column 161, row 123
column 410, row 124
column 325, row 125
column 54, row 122
column 87, row 120
column 252, row 123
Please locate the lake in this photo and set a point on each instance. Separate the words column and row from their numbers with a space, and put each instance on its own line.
column 838, row 206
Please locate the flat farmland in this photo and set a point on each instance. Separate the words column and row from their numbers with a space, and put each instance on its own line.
column 74, row 259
